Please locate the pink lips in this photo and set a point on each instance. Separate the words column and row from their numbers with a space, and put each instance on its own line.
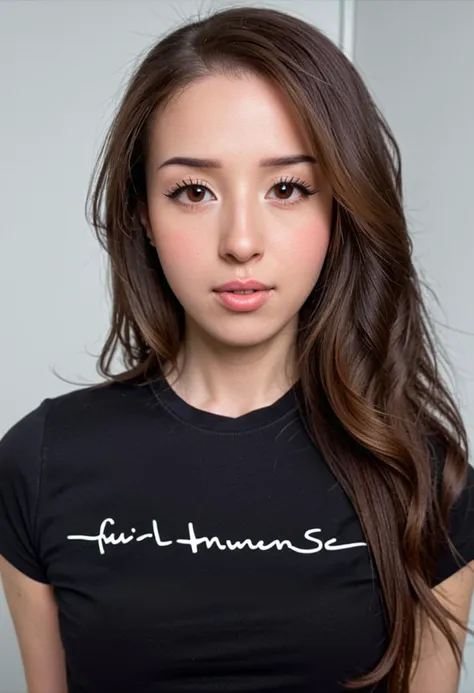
column 243, row 285
column 244, row 302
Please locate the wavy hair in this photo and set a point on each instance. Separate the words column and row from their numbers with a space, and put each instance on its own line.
column 370, row 391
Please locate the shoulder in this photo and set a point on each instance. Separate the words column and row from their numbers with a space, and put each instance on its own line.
column 94, row 402
column 68, row 414
column 29, row 448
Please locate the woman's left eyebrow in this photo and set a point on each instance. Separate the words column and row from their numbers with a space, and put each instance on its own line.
column 215, row 163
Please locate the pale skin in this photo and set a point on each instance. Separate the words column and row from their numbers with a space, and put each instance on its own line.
column 246, row 225
column 237, row 227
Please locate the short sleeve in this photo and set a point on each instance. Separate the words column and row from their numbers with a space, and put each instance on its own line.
column 20, row 481
column 461, row 531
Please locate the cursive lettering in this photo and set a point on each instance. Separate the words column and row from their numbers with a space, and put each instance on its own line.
column 103, row 539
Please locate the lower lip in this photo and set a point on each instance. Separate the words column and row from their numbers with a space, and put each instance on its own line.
column 244, row 302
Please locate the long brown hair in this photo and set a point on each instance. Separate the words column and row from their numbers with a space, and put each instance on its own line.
column 371, row 394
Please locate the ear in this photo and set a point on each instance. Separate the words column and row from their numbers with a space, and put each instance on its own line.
column 145, row 219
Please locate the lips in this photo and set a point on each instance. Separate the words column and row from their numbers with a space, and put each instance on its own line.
column 246, row 285
column 243, row 300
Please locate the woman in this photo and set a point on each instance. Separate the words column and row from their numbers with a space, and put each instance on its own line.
column 273, row 494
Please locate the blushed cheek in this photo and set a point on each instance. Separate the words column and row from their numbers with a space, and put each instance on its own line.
column 181, row 257
column 307, row 251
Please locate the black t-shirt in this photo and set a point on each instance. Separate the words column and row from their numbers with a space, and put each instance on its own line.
column 191, row 552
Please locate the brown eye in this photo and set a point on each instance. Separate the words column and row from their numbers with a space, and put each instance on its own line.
column 195, row 193
column 286, row 189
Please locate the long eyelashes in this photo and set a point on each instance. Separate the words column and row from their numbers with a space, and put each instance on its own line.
column 184, row 185
column 297, row 183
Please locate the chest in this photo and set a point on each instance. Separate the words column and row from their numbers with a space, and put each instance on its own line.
column 224, row 565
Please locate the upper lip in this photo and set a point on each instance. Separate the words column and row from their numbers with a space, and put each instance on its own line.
column 243, row 285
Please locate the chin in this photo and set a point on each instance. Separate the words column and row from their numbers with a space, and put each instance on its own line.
column 245, row 336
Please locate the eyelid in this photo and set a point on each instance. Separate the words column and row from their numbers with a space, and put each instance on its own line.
column 187, row 183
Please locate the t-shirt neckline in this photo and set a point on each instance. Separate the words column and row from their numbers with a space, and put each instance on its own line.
column 219, row 423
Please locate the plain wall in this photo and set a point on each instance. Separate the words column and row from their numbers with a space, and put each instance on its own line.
column 417, row 57
column 63, row 66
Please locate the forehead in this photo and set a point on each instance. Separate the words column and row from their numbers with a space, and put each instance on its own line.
column 221, row 114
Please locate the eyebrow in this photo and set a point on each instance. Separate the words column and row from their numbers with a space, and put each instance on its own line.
column 214, row 163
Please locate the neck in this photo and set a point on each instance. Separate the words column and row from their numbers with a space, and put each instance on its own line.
column 230, row 380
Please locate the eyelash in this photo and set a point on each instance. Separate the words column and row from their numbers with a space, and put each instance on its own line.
column 303, row 187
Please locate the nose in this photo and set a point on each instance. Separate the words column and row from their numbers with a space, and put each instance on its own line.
column 241, row 233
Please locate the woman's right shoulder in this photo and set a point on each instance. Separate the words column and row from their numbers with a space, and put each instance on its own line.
column 41, row 438
column 70, row 414
column 52, row 448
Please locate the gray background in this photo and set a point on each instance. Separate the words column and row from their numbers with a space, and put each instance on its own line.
column 417, row 57
column 63, row 66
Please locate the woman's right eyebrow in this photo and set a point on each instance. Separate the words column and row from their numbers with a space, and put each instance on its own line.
column 215, row 163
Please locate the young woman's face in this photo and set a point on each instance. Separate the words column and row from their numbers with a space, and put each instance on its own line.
column 238, row 219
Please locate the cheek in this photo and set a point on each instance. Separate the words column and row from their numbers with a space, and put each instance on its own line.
column 306, row 249
column 181, row 256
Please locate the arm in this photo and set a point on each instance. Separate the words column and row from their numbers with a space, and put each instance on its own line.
column 437, row 670
column 34, row 614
